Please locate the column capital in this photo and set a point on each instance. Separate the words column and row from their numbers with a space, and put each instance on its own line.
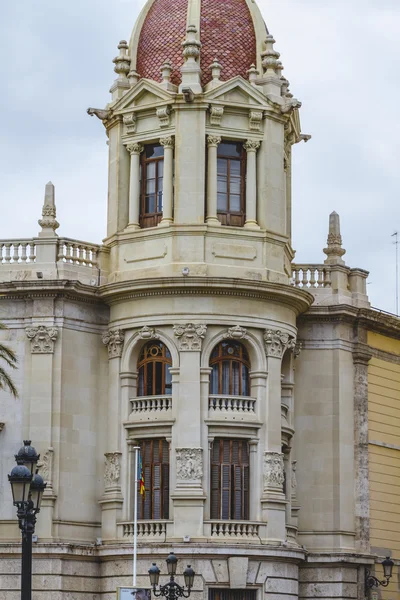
column 213, row 141
column 277, row 342
column 135, row 148
column 42, row 339
column 190, row 336
column 167, row 142
column 114, row 340
column 251, row 145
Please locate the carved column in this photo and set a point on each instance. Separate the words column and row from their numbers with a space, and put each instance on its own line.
column 42, row 340
column 251, row 148
column 168, row 189
column 112, row 500
column 273, row 499
column 188, row 496
column 135, row 151
column 213, row 142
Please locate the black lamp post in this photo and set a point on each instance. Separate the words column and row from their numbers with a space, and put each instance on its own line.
column 371, row 581
column 27, row 490
column 171, row 590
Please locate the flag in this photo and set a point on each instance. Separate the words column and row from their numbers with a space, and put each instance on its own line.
column 140, row 475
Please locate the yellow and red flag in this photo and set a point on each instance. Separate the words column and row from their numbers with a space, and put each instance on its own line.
column 142, row 488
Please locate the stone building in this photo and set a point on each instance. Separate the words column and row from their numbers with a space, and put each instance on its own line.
column 243, row 376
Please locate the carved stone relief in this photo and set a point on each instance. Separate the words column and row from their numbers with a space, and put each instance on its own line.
column 148, row 333
column 46, row 466
column 189, row 464
column 277, row 342
column 273, row 470
column 130, row 122
column 42, row 339
column 164, row 116
column 190, row 336
column 114, row 340
column 112, row 469
column 255, row 120
column 293, row 482
column 236, row 333
column 216, row 114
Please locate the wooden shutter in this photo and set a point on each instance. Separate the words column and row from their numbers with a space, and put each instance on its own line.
column 155, row 503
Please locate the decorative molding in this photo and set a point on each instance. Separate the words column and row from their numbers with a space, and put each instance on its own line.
column 114, row 340
column 251, row 146
column 191, row 336
column 216, row 114
column 135, row 148
column 273, row 470
column 277, row 342
column 189, row 464
column 236, row 333
column 167, row 142
column 298, row 347
column 112, row 469
column 42, row 339
column 164, row 116
column 255, row 120
column 148, row 333
column 213, row 140
column 46, row 466
column 130, row 122
column 293, row 480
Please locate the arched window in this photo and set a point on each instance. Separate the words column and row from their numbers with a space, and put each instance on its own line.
column 154, row 370
column 230, row 370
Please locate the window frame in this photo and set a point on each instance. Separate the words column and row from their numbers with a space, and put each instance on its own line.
column 220, row 359
column 146, row 219
column 165, row 359
column 147, row 503
column 227, row 479
column 230, row 217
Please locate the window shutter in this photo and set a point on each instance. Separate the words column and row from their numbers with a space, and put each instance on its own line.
column 157, row 491
column 215, row 491
column 246, row 492
column 165, row 491
column 226, row 491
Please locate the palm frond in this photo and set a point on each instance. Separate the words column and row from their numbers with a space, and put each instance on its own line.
column 8, row 355
column 7, row 383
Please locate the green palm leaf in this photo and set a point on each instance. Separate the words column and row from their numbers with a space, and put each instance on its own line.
column 10, row 358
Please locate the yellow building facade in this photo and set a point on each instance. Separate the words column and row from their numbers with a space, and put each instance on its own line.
column 384, row 451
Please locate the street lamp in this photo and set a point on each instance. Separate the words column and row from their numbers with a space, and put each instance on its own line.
column 171, row 590
column 27, row 490
column 371, row 581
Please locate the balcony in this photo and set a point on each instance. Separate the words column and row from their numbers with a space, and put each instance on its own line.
column 148, row 530
column 151, row 408
column 232, row 408
column 239, row 531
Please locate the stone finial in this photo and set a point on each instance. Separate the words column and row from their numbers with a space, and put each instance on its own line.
column 253, row 74
column 48, row 221
column 334, row 250
column 133, row 77
column 166, row 70
column 122, row 61
column 216, row 69
column 279, row 69
column 191, row 71
column 270, row 57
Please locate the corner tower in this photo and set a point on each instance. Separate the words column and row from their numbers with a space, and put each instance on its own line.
column 202, row 332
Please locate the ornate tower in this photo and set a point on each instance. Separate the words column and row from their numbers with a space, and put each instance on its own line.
column 202, row 314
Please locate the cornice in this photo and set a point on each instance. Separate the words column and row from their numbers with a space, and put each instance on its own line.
column 297, row 299
column 71, row 290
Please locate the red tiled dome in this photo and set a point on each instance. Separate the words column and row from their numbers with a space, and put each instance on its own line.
column 226, row 33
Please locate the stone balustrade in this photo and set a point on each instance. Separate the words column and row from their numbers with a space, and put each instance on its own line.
column 17, row 251
column 151, row 404
column 231, row 404
column 311, row 276
column 76, row 252
column 145, row 529
column 235, row 529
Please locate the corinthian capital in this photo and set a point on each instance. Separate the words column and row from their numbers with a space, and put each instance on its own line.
column 167, row 142
column 251, row 146
column 42, row 339
column 135, row 148
column 190, row 336
column 277, row 342
column 213, row 140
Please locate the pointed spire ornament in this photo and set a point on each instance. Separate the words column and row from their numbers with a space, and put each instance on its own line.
column 122, row 67
column 270, row 57
column 216, row 69
column 166, row 70
column 48, row 221
column 191, row 72
column 253, row 74
column 334, row 251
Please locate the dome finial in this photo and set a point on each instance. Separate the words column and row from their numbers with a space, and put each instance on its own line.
column 270, row 57
column 122, row 68
column 334, row 251
column 216, row 69
column 48, row 222
column 253, row 74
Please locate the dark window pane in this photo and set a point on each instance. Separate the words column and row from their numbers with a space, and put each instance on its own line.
column 150, row 204
column 154, row 151
column 230, row 149
column 149, row 380
column 234, row 186
column 235, row 204
column 222, row 166
column 222, row 201
column 168, row 380
column 234, row 168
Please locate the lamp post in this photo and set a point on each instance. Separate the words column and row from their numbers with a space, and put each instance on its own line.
column 371, row 581
column 171, row 590
column 27, row 490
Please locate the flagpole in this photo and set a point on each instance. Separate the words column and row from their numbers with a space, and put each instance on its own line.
column 135, row 495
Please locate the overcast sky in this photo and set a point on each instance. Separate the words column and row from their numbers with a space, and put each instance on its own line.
column 342, row 58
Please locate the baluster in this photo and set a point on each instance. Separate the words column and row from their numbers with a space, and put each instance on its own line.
column 7, row 257
column 327, row 278
column 304, row 281
column 23, row 252
column 320, row 281
column 68, row 252
column 60, row 254
column 15, row 256
column 312, row 278
column 75, row 254
column 296, row 277
column 80, row 255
